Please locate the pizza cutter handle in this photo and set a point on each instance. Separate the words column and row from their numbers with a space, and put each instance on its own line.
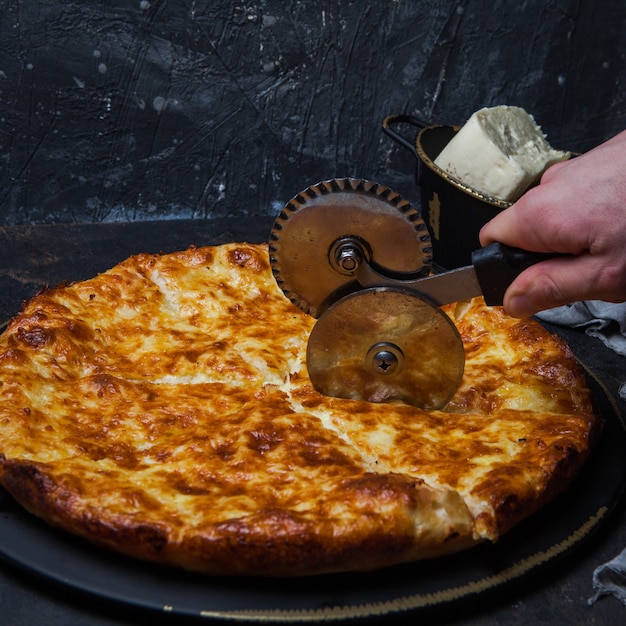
column 498, row 265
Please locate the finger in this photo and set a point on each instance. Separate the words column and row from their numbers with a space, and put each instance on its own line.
column 553, row 283
column 539, row 222
column 517, row 225
column 553, row 170
column 504, row 227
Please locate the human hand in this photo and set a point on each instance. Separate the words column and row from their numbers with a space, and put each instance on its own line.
column 578, row 210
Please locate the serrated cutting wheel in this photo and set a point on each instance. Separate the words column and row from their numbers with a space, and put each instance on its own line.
column 305, row 250
column 371, row 342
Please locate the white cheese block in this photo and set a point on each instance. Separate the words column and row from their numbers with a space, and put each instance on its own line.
column 500, row 151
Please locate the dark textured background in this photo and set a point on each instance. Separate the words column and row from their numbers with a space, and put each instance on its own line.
column 132, row 110
column 118, row 110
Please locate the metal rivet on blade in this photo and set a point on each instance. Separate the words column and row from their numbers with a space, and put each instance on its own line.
column 347, row 255
column 386, row 358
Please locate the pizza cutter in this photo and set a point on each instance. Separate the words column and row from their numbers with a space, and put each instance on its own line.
column 357, row 256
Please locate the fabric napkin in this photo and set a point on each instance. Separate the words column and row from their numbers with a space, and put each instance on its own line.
column 607, row 322
column 610, row 579
column 603, row 320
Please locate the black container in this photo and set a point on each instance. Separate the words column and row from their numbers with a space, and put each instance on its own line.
column 453, row 212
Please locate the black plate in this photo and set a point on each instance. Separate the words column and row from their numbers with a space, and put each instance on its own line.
column 540, row 541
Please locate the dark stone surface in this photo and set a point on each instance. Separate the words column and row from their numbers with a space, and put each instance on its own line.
column 130, row 110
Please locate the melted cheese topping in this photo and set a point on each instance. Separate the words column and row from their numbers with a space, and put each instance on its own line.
column 163, row 409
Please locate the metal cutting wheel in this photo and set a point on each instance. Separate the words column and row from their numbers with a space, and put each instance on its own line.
column 314, row 235
column 374, row 342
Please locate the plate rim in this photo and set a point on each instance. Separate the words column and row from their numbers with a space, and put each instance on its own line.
column 13, row 516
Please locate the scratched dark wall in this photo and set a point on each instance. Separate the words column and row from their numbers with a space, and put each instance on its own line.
column 131, row 110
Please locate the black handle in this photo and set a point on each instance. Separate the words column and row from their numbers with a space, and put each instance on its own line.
column 395, row 135
column 497, row 266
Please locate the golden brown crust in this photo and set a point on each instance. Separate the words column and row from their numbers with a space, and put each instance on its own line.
column 162, row 409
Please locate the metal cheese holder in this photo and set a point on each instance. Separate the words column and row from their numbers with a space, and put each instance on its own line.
column 454, row 213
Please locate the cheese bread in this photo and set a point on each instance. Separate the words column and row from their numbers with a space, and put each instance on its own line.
column 163, row 410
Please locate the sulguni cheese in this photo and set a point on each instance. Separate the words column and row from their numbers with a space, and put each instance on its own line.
column 500, row 152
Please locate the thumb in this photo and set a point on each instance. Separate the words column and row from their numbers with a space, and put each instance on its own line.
column 549, row 284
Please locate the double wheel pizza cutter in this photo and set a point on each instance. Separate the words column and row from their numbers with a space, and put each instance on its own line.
column 357, row 256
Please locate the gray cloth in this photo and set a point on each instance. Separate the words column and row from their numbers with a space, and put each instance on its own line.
column 607, row 322
column 603, row 320
column 610, row 579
